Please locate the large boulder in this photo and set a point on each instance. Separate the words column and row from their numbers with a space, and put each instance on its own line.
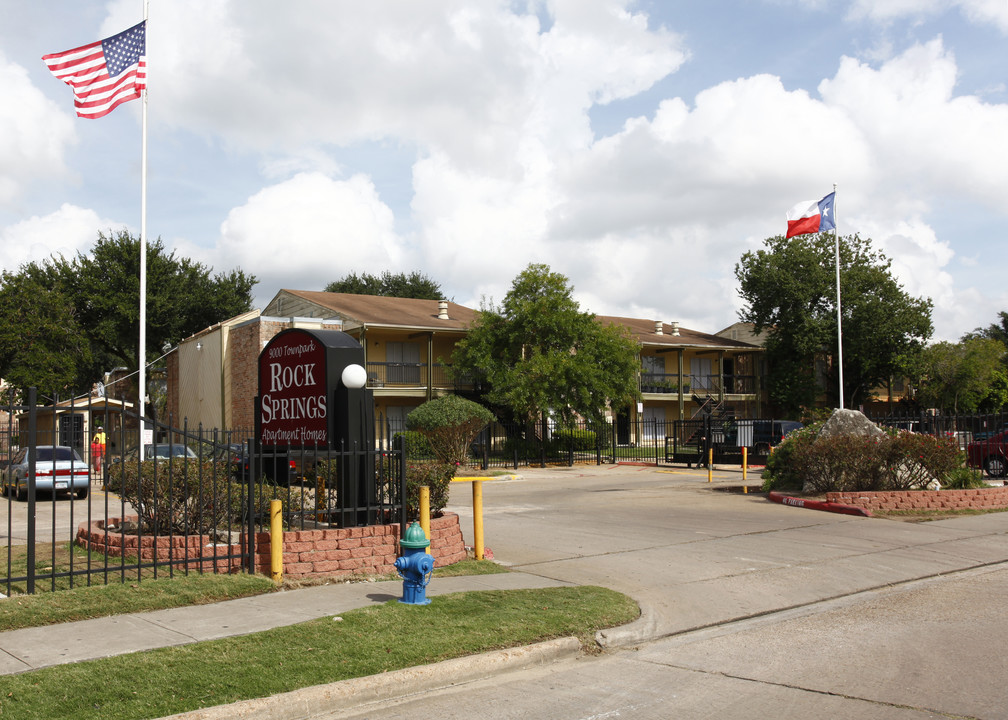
column 849, row 422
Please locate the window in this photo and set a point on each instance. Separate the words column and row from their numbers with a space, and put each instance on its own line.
column 652, row 373
column 700, row 374
column 403, row 360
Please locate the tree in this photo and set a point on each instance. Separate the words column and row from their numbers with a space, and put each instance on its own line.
column 994, row 331
column 789, row 289
column 414, row 285
column 41, row 341
column 539, row 352
column 966, row 376
column 96, row 297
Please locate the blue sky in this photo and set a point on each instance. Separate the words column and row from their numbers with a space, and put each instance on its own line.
column 640, row 148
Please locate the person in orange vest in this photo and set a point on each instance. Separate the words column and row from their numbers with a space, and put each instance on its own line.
column 98, row 449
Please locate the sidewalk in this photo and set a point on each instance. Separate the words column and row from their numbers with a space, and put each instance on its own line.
column 33, row 648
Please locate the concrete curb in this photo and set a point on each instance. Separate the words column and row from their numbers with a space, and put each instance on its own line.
column 346, row 695
column 818, row 505
column 641, row 630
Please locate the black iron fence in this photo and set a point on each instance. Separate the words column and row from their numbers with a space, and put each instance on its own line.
column 650, row 440
column 192, row 500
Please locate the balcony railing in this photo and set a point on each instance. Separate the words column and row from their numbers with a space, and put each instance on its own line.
column 668, row 384
column 414, row 375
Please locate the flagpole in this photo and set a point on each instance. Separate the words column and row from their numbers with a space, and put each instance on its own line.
column 839, row 329
column 143, row 257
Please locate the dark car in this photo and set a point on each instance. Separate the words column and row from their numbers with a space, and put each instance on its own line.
column 161, row 452
column 279, row 469
column 990, row 454
column 770, row 433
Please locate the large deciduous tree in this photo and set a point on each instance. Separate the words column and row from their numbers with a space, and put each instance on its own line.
column 88, row 309
column 789, row 289
column 966, row 376
column 42, row 343
column 415, row 285
column 538, row 352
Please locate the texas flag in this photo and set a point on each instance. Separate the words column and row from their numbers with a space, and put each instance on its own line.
column 811, row 217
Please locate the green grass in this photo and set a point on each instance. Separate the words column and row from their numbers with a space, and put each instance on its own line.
column 362, row 642
column 82, row 603
column 85, row 602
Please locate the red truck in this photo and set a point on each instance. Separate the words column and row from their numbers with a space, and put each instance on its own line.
column 990, row 453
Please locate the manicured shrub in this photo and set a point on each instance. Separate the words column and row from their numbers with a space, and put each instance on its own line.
column 415, row 444
column 450, row 424
column 436, row 476
column 576, row 439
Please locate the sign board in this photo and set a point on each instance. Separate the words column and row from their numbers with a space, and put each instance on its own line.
column 293, row 391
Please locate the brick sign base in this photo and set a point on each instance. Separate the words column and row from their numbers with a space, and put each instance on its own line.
column 307, row 553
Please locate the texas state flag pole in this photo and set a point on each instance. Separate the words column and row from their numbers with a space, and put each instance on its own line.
column 812, row 217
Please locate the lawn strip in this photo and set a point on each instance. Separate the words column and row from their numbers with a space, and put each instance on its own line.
column 363, row 642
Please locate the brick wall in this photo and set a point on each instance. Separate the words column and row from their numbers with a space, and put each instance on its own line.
column 246, row 342
column 307, row 553
column 979, row 498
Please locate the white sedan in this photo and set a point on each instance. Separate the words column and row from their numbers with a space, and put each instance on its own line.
column 57, row 468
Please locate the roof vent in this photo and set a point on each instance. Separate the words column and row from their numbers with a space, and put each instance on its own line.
column 442, row 310
column 675, row 327
column 659, row 328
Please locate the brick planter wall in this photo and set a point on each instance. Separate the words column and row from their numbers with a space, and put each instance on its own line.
column 307, row 553
column 979, row 498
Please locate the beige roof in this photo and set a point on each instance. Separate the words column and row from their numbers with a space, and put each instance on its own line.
column 376, row 310
column 644, row 332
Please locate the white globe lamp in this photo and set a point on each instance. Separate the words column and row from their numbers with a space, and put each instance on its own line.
column 354, row 376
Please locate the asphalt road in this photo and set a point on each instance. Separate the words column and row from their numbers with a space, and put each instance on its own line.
column 750, row 609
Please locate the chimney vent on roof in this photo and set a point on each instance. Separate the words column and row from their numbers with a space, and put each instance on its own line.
column 442, row 310
column 675, row 327
column 659, row 328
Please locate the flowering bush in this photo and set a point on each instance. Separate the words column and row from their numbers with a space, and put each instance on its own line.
column 850, row 463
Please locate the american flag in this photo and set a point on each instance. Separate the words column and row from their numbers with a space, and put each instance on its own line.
column 106, row 73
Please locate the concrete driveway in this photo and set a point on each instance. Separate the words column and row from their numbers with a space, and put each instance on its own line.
column 750, row 609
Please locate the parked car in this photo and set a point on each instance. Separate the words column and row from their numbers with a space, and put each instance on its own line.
column 57, row 468
column 988, row 433
column 161, row 452
column 770, row 433
column 279, row 469
column 990, row 454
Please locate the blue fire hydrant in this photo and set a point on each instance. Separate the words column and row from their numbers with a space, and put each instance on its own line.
column 415, row 566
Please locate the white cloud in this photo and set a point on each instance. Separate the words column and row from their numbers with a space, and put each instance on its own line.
column 33, row 134
column 924, row 139
column 469, row 80
column 976, row 11
column 65, row 232
column 307, row 232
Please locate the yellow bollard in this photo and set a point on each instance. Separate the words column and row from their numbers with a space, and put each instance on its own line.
column 478, row 519
column 276, row 540
column 745, row 466
column 425, row 513
column 710, row 465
